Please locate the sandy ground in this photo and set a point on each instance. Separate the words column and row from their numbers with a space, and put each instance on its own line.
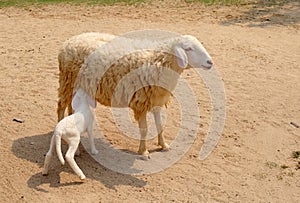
column 257, row 53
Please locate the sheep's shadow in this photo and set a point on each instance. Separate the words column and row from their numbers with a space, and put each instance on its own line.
column 34, row 149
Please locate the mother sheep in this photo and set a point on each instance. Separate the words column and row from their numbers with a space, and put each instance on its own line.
column 140, row 74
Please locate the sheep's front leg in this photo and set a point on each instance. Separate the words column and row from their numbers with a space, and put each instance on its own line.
column 143, row 131
column 73, row 145
column 157, row 117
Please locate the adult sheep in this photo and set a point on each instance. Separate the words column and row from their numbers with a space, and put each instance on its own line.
column 140, row 74
column 71, row 56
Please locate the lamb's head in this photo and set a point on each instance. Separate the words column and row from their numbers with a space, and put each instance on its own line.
column 82, row 98
column 189, row 51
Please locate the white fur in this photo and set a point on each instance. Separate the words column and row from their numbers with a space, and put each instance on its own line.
column 70, row 128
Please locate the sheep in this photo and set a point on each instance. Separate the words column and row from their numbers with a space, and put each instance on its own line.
column 140, row 74
column 70, row 58
column 70, row 128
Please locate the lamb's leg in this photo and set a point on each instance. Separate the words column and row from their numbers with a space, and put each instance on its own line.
column 161, row 141
column 77, row 153
column 143, row 131
column 60, row 110
column 73, row 145
column 49, row 156
column 91, row 140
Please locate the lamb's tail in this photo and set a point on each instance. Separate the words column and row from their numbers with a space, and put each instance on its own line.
column 58, row 148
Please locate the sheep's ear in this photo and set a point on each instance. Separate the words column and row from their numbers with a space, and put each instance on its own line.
column 181, row 56
column 92, row 102
column 76, row 101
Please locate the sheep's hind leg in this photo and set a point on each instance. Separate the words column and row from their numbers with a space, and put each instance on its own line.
column 143, row 131
column 48, row 157
column 70, row 109
column 73, row 145
column 157, row 117
column 60, row 110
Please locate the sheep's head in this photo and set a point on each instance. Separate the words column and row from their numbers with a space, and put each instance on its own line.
column 189, row 51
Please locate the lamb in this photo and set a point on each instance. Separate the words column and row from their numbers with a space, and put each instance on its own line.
column 70, row 58
column 70, row 128
column 140, row 74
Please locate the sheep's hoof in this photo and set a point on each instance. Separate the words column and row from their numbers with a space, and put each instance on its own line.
column 165, row 147
column 44, row 172
column 145, row 158
column 143, row 152
column 145, row 155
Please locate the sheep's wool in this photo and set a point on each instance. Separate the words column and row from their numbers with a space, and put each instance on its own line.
column 70, row 58
column 125, row 72
column 135, row 77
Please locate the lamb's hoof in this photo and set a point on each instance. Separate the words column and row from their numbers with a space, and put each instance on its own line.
column 94, row 152
column 82, row 177
column 165, row 147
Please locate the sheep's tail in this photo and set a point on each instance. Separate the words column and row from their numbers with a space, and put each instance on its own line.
column 58, row 148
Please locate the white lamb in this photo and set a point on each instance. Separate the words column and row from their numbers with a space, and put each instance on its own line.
column 71, row 56
column 140, row 74
column 70, row 128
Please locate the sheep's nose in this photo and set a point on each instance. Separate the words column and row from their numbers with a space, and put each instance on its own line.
column 209, row 62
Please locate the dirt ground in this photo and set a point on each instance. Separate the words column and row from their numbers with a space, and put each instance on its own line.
column 256, row 51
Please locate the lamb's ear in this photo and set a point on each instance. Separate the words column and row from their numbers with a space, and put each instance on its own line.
column 75, row 101
column 92, row 102
column 181, row 56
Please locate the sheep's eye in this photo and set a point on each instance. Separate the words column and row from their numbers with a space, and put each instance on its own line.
column 188, row 49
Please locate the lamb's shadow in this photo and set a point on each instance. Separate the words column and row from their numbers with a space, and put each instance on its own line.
column 34, row 149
